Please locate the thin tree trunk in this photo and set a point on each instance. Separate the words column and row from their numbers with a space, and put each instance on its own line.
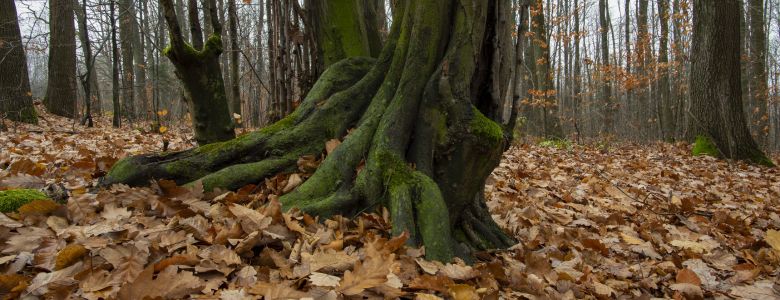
column 126, row 19
column 95, row 98
column 139, row 66
column 631, row 107
column 545, row 89
column 117, row 107
column 235, row 101
column 577, row 97
column 606, row 90
column 642, row 72
column 86, row 79
column 758, row 82
column 667, row 106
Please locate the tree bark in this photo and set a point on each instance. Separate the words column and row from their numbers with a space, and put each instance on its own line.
column 414, row 105
column 201, row 75
column 235, row 84
column 61, row 89
column 126, row 19
column 641, row 65
column 716, row 91
column 343, row 29
column 117, row 107
column 544, row 105
column 86, row 79
column 94, row 99
column 15, row 95
column 139, row 67
column 630, row 105
column 667, row 105
column 759, row 90
column 606, row 89
column 577, row 97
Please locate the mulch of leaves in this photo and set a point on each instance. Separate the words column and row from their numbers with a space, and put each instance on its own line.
column 637, row 221
column 623, row 222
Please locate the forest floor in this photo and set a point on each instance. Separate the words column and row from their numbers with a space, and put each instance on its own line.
column 607, row 221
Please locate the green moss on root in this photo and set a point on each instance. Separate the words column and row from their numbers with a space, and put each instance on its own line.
column 433, row 219
column 761, row 159
column 28, row 115
column 237, row 176
column 705, row 146
column 286, row 122
column 123, row 170
column 11, row 200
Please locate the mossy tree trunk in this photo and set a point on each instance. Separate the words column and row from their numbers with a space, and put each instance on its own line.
column 421, row 127
column 198, row 68
column 344, row 28
column 716, row 90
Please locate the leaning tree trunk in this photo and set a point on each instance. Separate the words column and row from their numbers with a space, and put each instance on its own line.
column 716, row 90
column 420, row 127
column 15, row 95
column 200, row 73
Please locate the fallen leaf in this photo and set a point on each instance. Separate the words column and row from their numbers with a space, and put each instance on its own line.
column 322, row 279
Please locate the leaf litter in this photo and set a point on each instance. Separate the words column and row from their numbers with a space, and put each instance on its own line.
column 625, row 222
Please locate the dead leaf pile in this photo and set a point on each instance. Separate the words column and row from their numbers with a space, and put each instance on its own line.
column 640, row 221
column 627, row 222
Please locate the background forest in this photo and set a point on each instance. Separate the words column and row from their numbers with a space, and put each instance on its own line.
column 603, row 68
column 389, row 149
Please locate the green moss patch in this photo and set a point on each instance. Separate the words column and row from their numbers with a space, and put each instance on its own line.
column 556, row 143
column 484, row 127
column 705, row 146
column 11, row 200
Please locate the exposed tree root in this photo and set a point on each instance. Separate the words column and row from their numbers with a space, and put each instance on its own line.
column 426, row 147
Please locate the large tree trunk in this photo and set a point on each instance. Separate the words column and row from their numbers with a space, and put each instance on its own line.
column 342, row 29
column 424, row 121
column 61, row 89
column 15, row 96
column 716, row 106
column 200, row 72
